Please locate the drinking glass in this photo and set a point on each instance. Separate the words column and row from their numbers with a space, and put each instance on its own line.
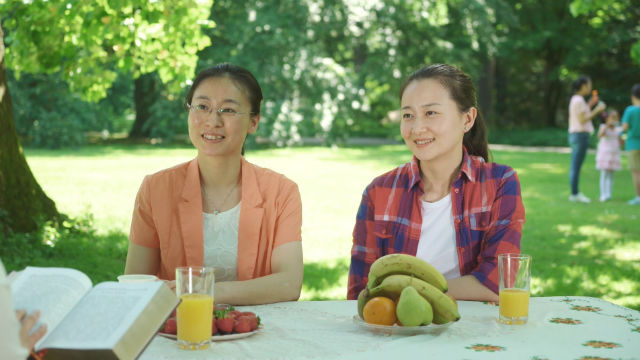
column 194, row 286
column 515, row 278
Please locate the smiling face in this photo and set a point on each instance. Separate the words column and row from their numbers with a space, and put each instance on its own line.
column 216, row 135
column 432, row 125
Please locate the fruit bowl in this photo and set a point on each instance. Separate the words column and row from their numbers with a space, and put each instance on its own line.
column 431, row 329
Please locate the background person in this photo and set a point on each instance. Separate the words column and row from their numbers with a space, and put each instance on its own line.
column 16, row 336
column 631, row 124
column 608, row 155
column 220, row 210
column 447, row 206
column 580, row 129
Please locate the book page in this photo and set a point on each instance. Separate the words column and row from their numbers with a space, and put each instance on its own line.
column 53, row 291
column 103, row 315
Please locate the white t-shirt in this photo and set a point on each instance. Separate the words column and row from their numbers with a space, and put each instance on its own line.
column 221, row 243
column 579, row 107
column 437, row 244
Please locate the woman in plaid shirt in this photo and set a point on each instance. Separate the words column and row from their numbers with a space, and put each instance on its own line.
column 448, row 206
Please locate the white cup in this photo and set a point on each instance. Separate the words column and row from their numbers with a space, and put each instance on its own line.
column 136, row 278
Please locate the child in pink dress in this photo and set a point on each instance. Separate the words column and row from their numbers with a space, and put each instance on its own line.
column 608, row 155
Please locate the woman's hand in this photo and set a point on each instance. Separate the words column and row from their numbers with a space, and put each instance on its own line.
column 27, row 322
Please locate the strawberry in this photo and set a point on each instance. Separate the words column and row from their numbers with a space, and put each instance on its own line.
column 242, row 324
column 253, row 319
column 225, row 325
column 171, row 326
column 224, row 321
column 214, row 329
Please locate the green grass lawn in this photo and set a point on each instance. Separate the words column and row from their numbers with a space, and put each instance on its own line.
column 578, row 249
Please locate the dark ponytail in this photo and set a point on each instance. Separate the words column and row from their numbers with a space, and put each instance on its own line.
column 463, row 92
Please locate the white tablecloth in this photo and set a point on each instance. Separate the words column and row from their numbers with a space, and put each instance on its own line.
column 558, row 328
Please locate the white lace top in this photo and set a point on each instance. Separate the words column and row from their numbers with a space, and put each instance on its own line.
column 221, row 243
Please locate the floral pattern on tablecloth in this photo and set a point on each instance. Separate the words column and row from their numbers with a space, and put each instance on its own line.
column 586, row 308
column 566, row 321
column 485, row 347
column 572, row 328
column 601, row 344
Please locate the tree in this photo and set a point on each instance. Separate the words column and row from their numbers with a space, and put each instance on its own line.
column 91, row 42
column 88, row 42
column 22, row 201
column 618, row 10
column 145, row 94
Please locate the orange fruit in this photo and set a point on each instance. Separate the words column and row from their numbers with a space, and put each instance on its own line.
column 380, row 311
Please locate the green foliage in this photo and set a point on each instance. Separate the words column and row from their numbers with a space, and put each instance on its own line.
column 307, row 91
column 331, row 69
column 169, row 118
column 72, row 243
column 47, row 114
column 89, row 43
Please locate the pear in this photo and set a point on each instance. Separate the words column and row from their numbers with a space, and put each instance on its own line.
column 413, row 309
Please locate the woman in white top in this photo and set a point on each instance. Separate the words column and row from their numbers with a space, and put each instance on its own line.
column 16, row 338
column 580, row 129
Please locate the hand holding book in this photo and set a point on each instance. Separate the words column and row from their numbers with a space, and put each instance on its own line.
column 110, row 320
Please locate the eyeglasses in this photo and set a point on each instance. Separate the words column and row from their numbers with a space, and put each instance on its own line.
column 202, row 111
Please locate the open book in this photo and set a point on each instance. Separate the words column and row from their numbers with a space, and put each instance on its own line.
column 109, row 321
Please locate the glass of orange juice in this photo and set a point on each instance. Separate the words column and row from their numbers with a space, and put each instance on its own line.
column 194, row 286
column 515, row 279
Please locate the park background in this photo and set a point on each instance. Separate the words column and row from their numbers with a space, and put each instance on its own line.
column 94, row 92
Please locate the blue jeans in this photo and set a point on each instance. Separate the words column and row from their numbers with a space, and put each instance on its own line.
column 579, row 142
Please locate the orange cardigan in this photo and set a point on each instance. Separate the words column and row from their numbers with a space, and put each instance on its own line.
column 168, row 215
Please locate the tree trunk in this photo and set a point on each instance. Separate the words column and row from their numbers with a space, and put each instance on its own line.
column 144, row 95
column 22, row 201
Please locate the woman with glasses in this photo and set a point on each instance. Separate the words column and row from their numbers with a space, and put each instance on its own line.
column 448, row 206
column 218, row 209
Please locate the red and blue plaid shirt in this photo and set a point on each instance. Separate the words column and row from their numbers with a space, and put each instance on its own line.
column 487, row 209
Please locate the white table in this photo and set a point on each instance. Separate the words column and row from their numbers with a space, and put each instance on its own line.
column 558, row 328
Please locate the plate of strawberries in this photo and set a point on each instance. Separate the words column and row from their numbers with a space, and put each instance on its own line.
column 228, row 324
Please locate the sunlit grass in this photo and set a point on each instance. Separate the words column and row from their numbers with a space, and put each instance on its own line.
column 578, row 249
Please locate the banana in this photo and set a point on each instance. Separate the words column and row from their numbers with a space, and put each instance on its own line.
column 444, row 309
column 407, row 265
column 363, row 297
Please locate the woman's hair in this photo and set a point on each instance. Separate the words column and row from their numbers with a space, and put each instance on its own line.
column 241, row 76
column 577, row 83
column 463, row 93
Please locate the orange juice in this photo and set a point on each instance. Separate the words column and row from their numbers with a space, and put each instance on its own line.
column 514, row 304
column 195, row 314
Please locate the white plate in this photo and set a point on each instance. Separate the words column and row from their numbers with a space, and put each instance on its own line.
column 218, row 337
column 432, row 329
